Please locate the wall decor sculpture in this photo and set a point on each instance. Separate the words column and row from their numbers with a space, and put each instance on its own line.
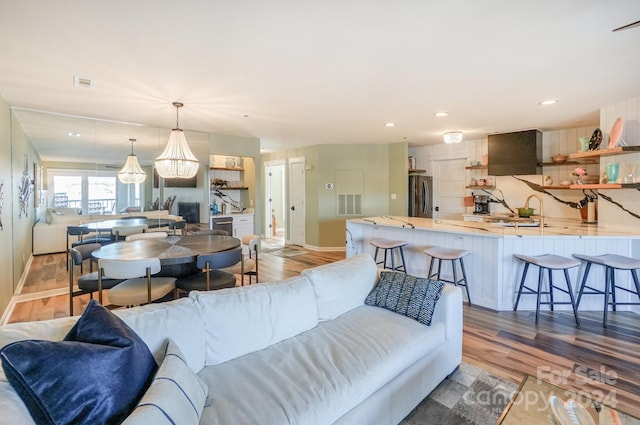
column 25, row 188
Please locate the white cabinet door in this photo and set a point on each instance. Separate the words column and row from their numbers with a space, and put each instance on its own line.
column 242, row 225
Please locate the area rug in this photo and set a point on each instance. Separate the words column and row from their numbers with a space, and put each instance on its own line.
column 470, row 396
column 286, row 252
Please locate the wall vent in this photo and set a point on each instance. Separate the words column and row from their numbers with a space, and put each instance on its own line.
column 86, row 83
column 350, row 204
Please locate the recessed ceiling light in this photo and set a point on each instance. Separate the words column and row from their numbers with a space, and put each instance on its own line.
column 390, row 124
column 74, row 134
column 83, row 82
column 548, row 102
column 441, row 114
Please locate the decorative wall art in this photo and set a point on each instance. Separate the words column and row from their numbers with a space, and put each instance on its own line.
column 25, row 189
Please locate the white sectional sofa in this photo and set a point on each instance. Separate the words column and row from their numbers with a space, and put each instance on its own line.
column 301, row 351
column 50, row 232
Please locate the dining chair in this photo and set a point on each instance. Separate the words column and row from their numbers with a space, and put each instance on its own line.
column 251, row 245
column 87, row 283
column 146, row 235
column 138, row 285
column 178, row 225
column 124, row 231
column 212, row 277
column 212, row 232
column 81, row 233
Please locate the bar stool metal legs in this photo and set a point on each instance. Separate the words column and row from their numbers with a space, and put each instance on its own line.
column 439, row 253
column 611, row 262
column 549, row 262
column 388, row 246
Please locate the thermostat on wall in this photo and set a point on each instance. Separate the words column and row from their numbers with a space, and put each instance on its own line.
column 329, row 185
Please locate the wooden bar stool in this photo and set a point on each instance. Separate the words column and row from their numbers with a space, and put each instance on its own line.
column 389, row 245
column 611, row 262
column 547, row 262
column 439, row 253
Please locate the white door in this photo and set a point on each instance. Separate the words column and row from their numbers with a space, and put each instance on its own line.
column 275, row 216
column 297, row 198
column 449, row 181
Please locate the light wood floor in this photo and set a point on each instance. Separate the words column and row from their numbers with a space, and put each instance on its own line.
column 505, row 343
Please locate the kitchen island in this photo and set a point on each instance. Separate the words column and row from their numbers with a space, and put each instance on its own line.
column 493, row 273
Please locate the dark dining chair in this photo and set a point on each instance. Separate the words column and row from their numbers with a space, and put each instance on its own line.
column 212, row 278
column 81, row 233
column 87, row 283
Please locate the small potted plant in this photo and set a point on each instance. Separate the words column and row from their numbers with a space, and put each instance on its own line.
column 579, row 172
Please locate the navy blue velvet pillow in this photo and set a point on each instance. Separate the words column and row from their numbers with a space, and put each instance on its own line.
column 411, row 296
column 96, row 375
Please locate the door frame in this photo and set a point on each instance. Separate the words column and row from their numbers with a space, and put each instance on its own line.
column 293, row 238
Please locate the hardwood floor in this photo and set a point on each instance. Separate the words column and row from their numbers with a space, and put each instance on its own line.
column 601, row 363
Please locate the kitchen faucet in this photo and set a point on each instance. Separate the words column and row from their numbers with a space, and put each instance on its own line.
column 539, row 198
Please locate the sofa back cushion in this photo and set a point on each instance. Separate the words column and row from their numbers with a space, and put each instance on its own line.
column 242, row 320
column 343, row 285
column 179, row 320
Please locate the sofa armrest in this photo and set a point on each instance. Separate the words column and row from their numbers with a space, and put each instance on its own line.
column 448, row 311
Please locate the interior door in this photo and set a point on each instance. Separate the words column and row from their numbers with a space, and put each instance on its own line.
column 297, row 201
column 275, row 217
column 449, row 188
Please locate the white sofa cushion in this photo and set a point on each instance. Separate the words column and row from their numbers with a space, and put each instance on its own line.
column 343, row 285
column 249, row 318
column 320, row 375
column 176, row 395
column 179, row 320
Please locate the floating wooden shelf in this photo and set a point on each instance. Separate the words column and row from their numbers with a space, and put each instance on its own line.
column 595, row 186
column 476, row 167
column 416, row 171
column 557, row 164
column 578, row 156
column 229, row 188
column 226, row 169
column 480, row 187
column 557, row 186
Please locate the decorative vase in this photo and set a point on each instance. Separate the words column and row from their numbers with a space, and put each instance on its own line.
column 611, row 171
column 230, row 163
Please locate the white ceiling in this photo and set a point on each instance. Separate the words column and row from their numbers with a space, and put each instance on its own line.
column 297, row 73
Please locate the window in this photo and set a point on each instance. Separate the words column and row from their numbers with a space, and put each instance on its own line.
column 93, row 192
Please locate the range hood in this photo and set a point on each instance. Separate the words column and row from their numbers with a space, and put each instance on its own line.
column 517, row 153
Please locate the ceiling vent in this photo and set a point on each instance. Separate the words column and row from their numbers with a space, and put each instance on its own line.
column 86, row 83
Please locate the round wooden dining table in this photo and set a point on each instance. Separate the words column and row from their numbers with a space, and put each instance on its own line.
column 177, row 254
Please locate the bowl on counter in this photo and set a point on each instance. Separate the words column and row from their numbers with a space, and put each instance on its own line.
column 525, row 212
column 559, row 158
column 474, row 163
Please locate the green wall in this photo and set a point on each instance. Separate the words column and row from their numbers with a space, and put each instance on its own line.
column 6, row 197
column 384, row 171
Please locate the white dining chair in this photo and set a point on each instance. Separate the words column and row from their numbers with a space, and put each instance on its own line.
column 249, row 265
column 124, row 231
column 139, row 286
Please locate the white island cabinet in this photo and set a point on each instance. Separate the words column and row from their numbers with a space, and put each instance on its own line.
column 493, row 273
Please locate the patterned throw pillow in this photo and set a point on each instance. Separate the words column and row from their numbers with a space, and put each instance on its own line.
column 411, row 296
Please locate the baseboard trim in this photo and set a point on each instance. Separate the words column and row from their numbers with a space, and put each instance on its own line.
column 325, row 248
column 13, row 301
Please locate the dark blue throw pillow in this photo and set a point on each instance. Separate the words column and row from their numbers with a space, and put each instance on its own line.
column 411, row 296
column 96, row 375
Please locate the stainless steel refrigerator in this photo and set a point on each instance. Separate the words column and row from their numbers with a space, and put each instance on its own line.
column 421, row 196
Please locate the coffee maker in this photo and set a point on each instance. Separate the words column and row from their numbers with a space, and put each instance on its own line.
column 481, row 204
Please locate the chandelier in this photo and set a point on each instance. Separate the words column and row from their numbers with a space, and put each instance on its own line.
column 177, row 161
column 131, row 172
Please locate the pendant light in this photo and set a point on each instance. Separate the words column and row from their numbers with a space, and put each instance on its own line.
column 131, row 172
column 177, row 161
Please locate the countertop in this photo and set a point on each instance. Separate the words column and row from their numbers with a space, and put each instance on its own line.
column 231, row 215
column 552, row 227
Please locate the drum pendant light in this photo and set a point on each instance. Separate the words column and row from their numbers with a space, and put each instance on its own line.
column 177, row 160
column 131, row 172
